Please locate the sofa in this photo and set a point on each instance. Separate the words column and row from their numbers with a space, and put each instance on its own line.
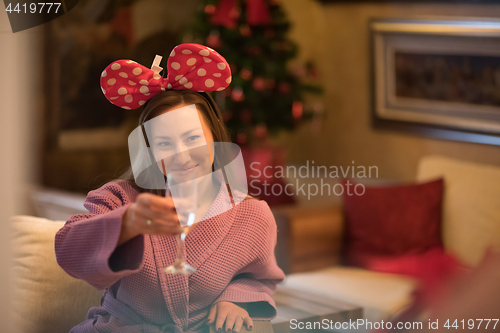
column 470, row 224
column 48, row 300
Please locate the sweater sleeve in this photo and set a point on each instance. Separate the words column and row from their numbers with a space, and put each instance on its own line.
column 256, row 282
column 86, row 246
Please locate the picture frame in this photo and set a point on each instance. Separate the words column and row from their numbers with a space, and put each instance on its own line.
column 411, row 1
column 437, row 78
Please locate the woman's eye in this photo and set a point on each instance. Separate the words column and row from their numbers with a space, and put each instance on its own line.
column 164, row 144
column 193, row 138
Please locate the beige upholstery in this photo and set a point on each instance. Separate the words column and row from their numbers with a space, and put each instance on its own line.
column 46, row 298
column 471, row 211
column 379, row 294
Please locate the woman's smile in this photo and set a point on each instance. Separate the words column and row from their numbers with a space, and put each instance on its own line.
column 185, row 169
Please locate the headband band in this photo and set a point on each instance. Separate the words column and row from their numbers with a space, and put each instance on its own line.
column 127, row 84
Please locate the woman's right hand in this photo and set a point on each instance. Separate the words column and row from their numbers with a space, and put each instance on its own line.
column 149, row 207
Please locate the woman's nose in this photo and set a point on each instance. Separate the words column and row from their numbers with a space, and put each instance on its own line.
column 182, row 156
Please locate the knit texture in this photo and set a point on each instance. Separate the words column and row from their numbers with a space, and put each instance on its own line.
column 233, row 254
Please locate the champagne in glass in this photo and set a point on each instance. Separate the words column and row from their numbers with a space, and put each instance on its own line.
column 184, row 192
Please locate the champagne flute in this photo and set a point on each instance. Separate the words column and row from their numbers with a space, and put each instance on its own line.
column 185, row 196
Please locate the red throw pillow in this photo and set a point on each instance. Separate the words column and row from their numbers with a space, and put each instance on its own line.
column 392, row 221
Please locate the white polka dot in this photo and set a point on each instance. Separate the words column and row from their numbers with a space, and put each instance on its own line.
column 104, row 73
column 169, row 86
column 144, row 82
column 131, row 62
column 122, row 91
column 115, row 66
column 147, row 94
column 191, row 61
column 137, row 71
column 113, row 98
column 111, row 81
column 186, row 52
column 156, row 76
column 217, row 74
column 183, row 81
column 189, row 85
column 207, row 60
column 228, row 80
column 175, row 65
column 132, row 83
column 126, row 108
column 142, row 102
column 128, row 99
column 123, row 74
column 178, row 77
column 204, row 53
column 103, row 91
column 209, row 83
column 172, row 54
column 220, row 89
column 202, row 72
column 221, row 65
column 144, row 89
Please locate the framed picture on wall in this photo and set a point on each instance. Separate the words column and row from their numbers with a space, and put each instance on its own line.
column 437, row 78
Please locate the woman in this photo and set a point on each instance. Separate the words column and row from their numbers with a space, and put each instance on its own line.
column 125, row 241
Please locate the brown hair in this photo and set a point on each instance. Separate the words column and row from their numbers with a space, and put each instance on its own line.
column 169, row 99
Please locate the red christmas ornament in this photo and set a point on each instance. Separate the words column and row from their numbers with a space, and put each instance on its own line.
column 258, row 83
column 237, row 94
column 246, row 116
column 297, row 109
column 241, row 138
column 284, row 88
column 246, row 74
column 209, row 9
column 270, row 84
column 245, row 30
column 299, row 71
column 213, row 40
column 260, row 131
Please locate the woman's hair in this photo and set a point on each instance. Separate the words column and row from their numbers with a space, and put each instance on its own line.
column 169, row 99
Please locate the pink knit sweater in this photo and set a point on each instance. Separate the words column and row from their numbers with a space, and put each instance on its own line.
column 233, row 254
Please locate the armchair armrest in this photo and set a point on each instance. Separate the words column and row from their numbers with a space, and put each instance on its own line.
column 309, row 237
column 259, row 326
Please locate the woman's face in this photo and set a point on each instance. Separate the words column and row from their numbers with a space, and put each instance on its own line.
column 180, row 140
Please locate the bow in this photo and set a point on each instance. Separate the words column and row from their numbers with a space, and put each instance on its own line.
column 127, row 84
column 226, row 13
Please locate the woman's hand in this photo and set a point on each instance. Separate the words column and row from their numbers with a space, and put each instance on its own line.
column 150, row 214
column 233, row 315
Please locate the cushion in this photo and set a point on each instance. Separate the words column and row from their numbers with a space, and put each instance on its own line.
column 471, row 209
column 392, row 221
column 379, row 294
column 46, row 299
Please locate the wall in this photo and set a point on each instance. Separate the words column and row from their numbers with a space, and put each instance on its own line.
column 19, row 96
column 336, row 37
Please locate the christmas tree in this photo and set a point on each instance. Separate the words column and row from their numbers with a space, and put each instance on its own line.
column 265, row 95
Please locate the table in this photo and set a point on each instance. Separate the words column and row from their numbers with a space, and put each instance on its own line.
column 304, row 307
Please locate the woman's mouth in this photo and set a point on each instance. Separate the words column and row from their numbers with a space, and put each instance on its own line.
column 185, row 170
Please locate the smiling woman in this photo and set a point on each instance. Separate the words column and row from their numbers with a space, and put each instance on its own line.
column 125, row 241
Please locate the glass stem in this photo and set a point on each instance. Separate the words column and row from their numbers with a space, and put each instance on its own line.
column 179, row 262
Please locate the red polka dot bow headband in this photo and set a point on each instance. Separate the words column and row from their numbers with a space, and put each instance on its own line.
column 129, row 85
